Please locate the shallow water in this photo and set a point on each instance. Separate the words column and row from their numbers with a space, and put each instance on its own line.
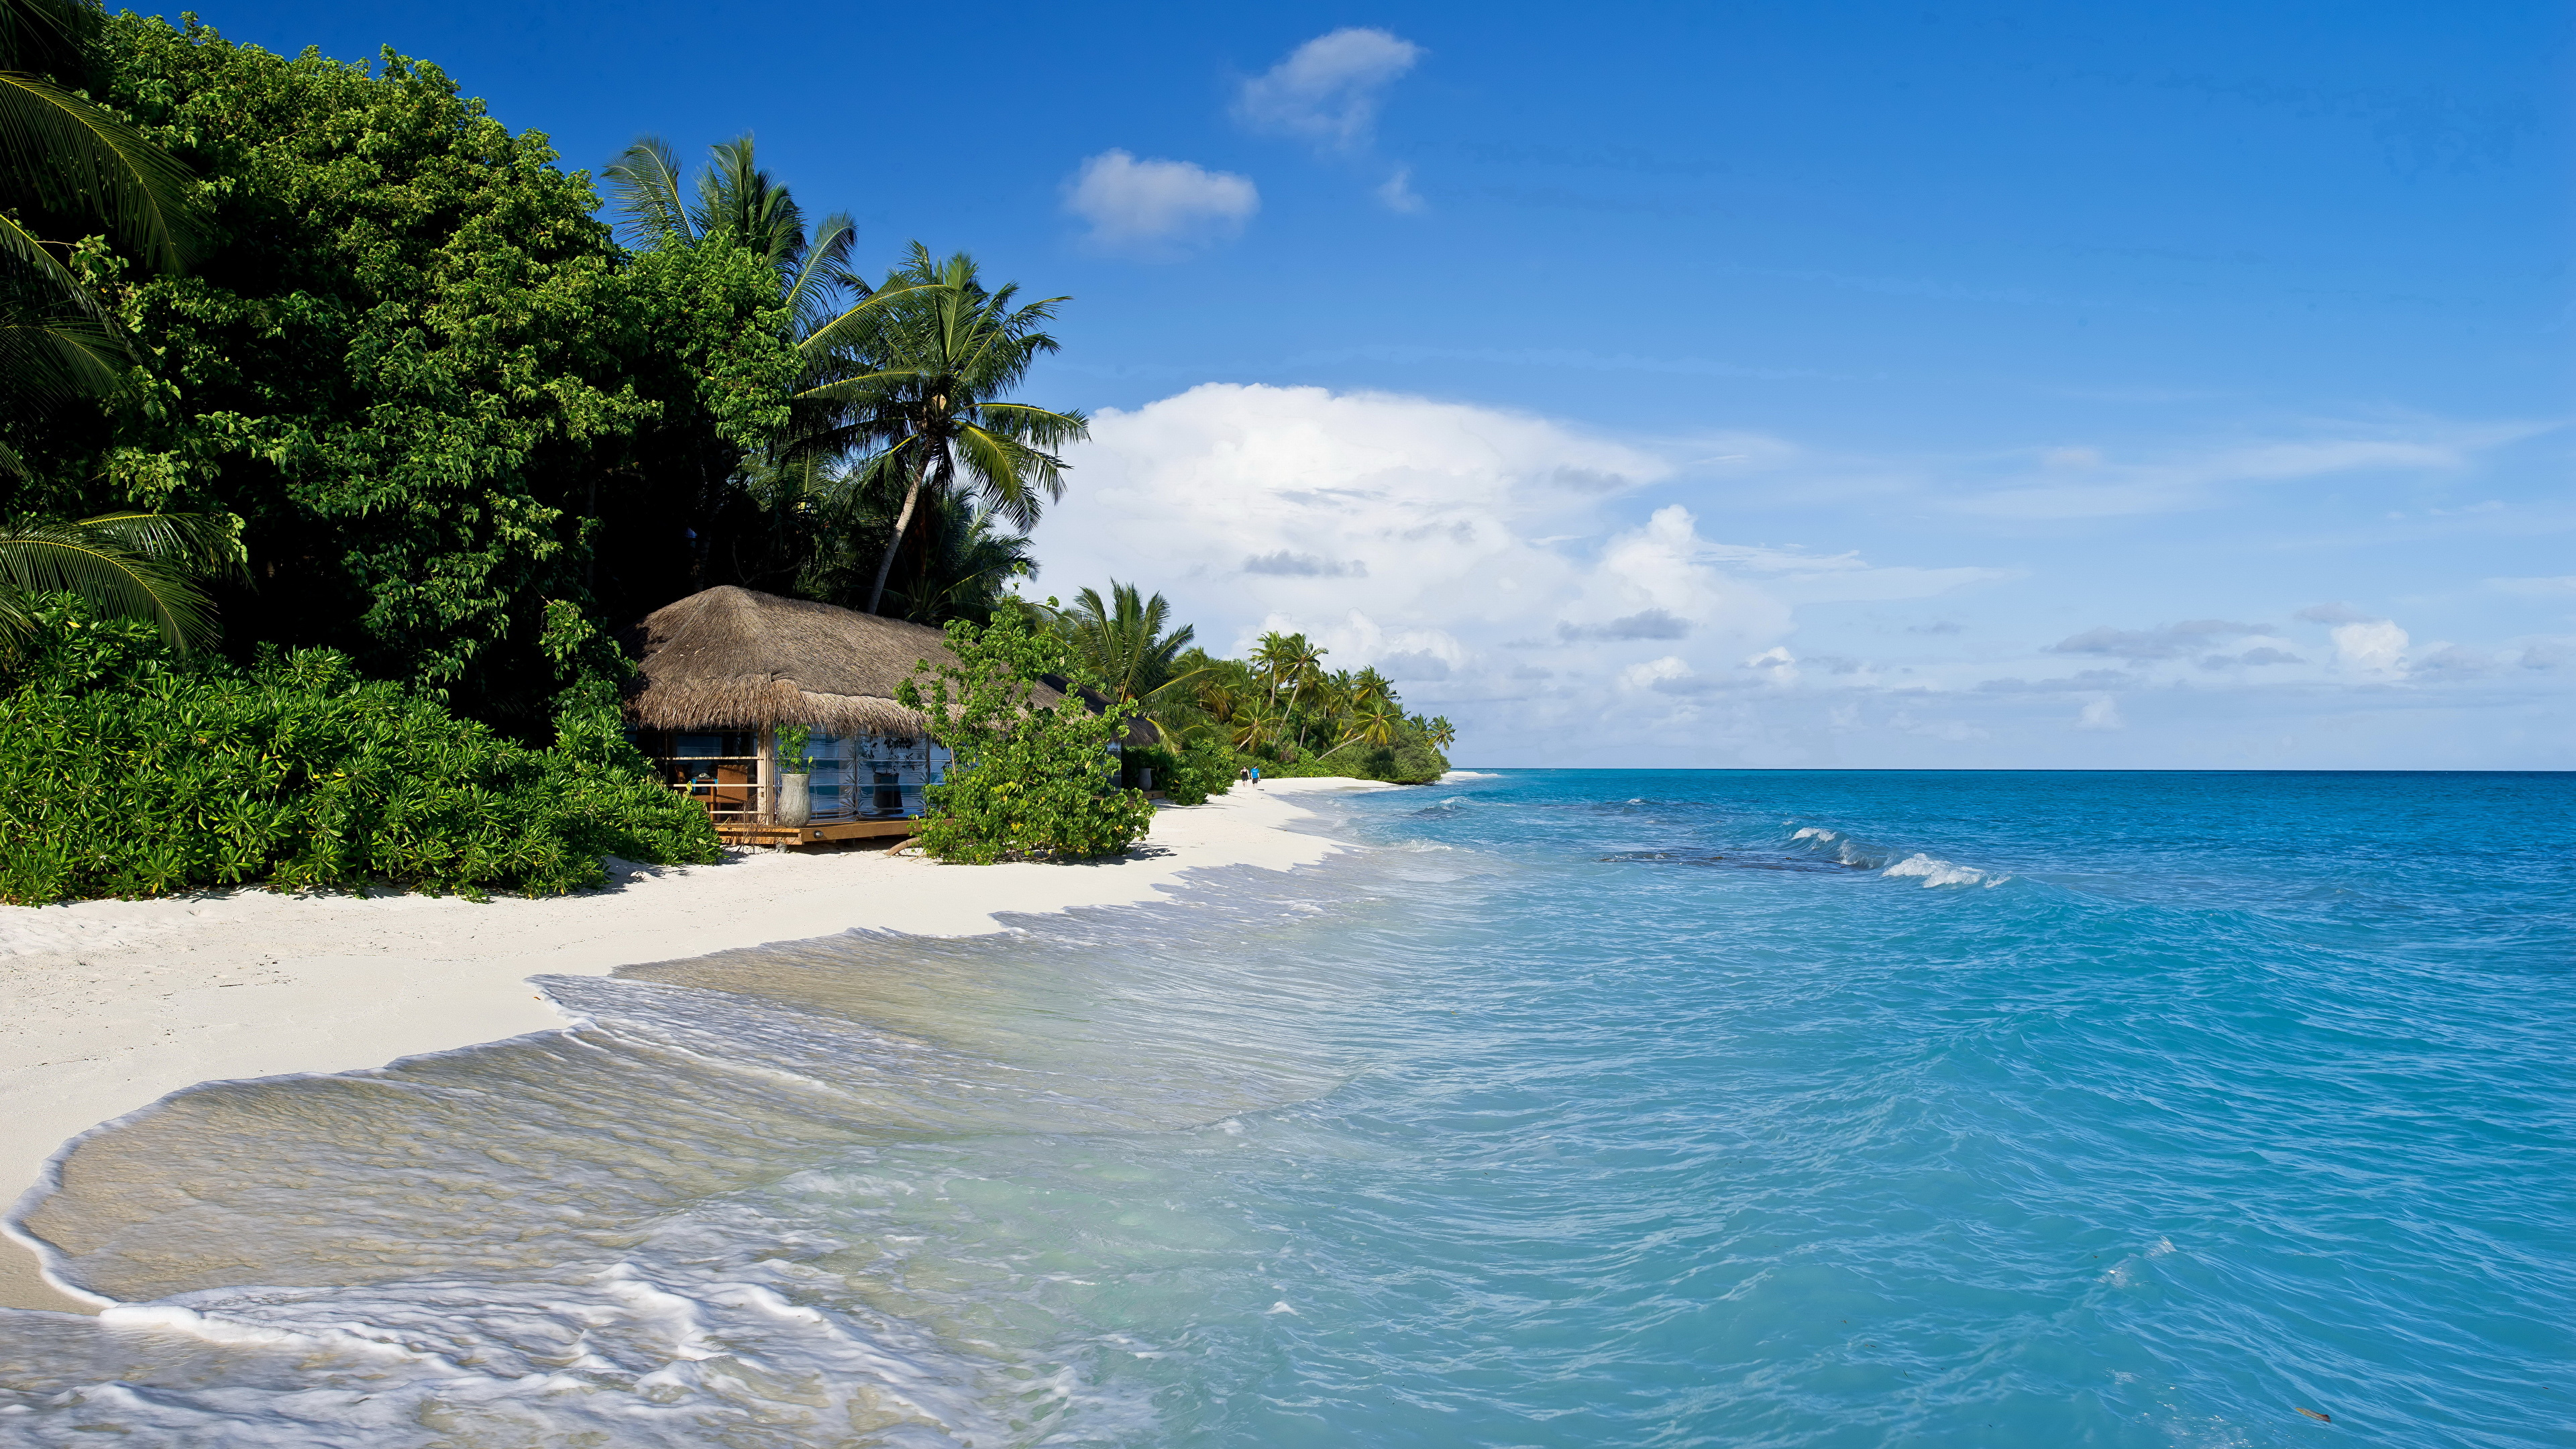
column 1577, row 1108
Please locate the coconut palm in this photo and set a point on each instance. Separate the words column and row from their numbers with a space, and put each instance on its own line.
column 1440, row 732
column 128, row 565
column 734, row 199
column 1255, row 725
column 1127, row 641
column 62, row 156
column 1286, row 661
column 924, row 363
column 1377, row 723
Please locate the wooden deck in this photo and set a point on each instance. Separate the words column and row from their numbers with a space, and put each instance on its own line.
column 746, row 834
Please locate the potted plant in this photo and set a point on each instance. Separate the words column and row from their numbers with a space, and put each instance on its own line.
column 795, row 775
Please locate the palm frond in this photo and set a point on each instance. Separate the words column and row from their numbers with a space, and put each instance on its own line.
column 40, row 267
column 51, row 359
column 644, row 190
column 58, row 145
column 83, row 558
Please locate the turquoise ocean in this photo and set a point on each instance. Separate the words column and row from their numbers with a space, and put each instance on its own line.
column 1568, row 1108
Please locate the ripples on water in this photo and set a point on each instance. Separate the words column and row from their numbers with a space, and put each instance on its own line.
column 1580, row 1109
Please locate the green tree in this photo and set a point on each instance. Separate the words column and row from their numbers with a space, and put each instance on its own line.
column 920, row 373
column 1127, row 641
column 1029, row 780
column 439, row 396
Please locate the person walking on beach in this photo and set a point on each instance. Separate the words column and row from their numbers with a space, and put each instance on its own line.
column 1256, row 774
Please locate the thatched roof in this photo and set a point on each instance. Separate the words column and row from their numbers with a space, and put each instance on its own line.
column 731, row 658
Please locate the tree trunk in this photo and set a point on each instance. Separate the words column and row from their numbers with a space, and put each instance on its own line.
column 902, row 522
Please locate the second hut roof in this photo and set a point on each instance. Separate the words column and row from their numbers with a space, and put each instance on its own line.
column 734, row 658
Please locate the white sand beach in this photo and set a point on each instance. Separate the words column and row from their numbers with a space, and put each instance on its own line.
column 113, row 1005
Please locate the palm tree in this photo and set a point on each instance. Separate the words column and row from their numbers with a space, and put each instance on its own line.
column 735, row 200
column 1253, row 726
column 1286, row 659
column 1377, row 723
column 1125, row 642
column 128, row 565
column 924, row 362
column 972, row 563
column 60, row 155
column 1440, row 732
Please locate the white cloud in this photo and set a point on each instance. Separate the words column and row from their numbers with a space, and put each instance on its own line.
column 2377, row 647
column 1158, row 208
column 2101, row 712
column 1328, row 89
column 1396, row 193
column 1490, row 555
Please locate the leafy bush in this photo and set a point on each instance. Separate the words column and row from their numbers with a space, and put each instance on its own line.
column 1028, row 781
column 131, row 773
column 1188, row 776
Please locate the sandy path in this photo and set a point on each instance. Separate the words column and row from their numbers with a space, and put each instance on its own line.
column 112, row 1005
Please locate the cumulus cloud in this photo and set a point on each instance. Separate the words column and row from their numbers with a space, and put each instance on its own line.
column 1328, row 90
column 2101, row 713
column 2377, row 647
column 1158, row 208
column 2165, row 641
column 1496, row 558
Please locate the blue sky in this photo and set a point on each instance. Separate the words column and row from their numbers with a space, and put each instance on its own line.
column 1816, row 384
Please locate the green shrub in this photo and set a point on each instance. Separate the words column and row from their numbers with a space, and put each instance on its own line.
column 1028, row 781
column 1187, row 776
column 126, row 772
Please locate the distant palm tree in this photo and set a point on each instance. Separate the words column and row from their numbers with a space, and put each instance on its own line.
column 1439, row 731
column 1286, row 660
column 1379, row 723
column 923, row 364
column 127, row 565
column 61, row 155
column 1253, row 726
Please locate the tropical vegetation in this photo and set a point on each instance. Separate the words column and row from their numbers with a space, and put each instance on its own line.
column 366, row 428
column 1031, row 779
column 137, row 771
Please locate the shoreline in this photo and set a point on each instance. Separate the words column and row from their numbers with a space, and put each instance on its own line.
column 117, row 1004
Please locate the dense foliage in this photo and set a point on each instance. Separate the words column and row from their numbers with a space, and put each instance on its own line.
column 436, row 394
column 137, row 772
column 1029, row 781
column 318, row 363
column 1280, row 710
column 1185, row 773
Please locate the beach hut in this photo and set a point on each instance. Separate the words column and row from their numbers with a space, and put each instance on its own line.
column 724, row 670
